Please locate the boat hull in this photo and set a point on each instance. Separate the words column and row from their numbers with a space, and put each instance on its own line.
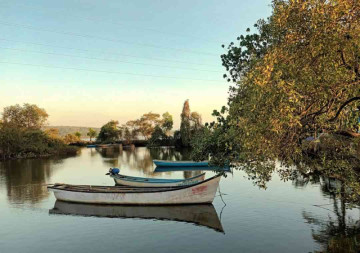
column 196, row 194
column 160, row 163
column 140, row 182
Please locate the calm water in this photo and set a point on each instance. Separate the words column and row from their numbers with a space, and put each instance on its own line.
column 287, row 217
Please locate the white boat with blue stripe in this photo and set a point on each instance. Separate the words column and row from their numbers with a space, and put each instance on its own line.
column 152, row 182
column 200, row 193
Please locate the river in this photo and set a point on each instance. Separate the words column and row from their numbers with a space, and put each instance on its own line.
column 292, row 216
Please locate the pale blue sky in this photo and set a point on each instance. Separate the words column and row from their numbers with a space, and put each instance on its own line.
column 176, row 39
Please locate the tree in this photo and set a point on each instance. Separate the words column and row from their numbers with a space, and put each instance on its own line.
column 11, row 141
column 191, row 122
column 185, row 124
column 109, row 132
column 131, row 129
column 26, row 116
column 21, row 135
column 157, row 136
column 145, row 125
column 127, row 135
column 196, row 121
column 121, row 132
column 91, row 133
column 297, row 77
column 177, row 138
column 78, row 135
column 167, row 122
column 71, row 138
column 53, row 133
column 161, row 130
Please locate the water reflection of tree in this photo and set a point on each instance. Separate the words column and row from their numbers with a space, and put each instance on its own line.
column 141, row 158
column 338, row 233
column 25, row 179
column 93, row 152
column 110, row 154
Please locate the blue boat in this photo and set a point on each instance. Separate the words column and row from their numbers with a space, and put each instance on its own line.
column 91, row 146
column 209, row 168
column 163, row 163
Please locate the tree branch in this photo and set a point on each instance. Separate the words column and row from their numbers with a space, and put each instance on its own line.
column 344, row 61
column 342, row 107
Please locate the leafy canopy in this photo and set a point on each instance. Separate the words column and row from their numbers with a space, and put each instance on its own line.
column 296, row 77
column 26, row 116
column 167, row 122
column 91, row 133
column 109, row 132
column 21, row 135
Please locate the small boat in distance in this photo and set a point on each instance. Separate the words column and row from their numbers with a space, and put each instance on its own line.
column 202, row 215
column 163, row 163
column 199, row 193
column 154, row 182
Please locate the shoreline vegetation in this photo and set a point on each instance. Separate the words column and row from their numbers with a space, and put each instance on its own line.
column 21, row 135
column 24, row 134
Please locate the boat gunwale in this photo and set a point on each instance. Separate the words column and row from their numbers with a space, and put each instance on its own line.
column 141, row 179
column 131, row 189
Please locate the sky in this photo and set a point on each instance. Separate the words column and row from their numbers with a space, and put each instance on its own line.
column 88, row 62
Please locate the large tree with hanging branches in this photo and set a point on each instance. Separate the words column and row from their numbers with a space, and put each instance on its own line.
column 295, row 93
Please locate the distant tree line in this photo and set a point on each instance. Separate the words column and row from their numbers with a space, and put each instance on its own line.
column 154, row 129
column 64, row 130
column 150, row 127
column 23, row 132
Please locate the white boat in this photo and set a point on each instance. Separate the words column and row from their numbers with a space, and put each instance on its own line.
column 155, row 182
column 203, row 192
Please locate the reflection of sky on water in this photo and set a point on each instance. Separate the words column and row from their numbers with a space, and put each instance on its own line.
column 287, row 217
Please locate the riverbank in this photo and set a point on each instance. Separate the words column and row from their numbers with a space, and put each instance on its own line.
column 62, row 152
column 136, row 143
column 61, row 149
column 19, row 143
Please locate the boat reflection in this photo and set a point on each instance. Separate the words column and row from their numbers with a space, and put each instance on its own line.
column 208, row 168
column 201, row 215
